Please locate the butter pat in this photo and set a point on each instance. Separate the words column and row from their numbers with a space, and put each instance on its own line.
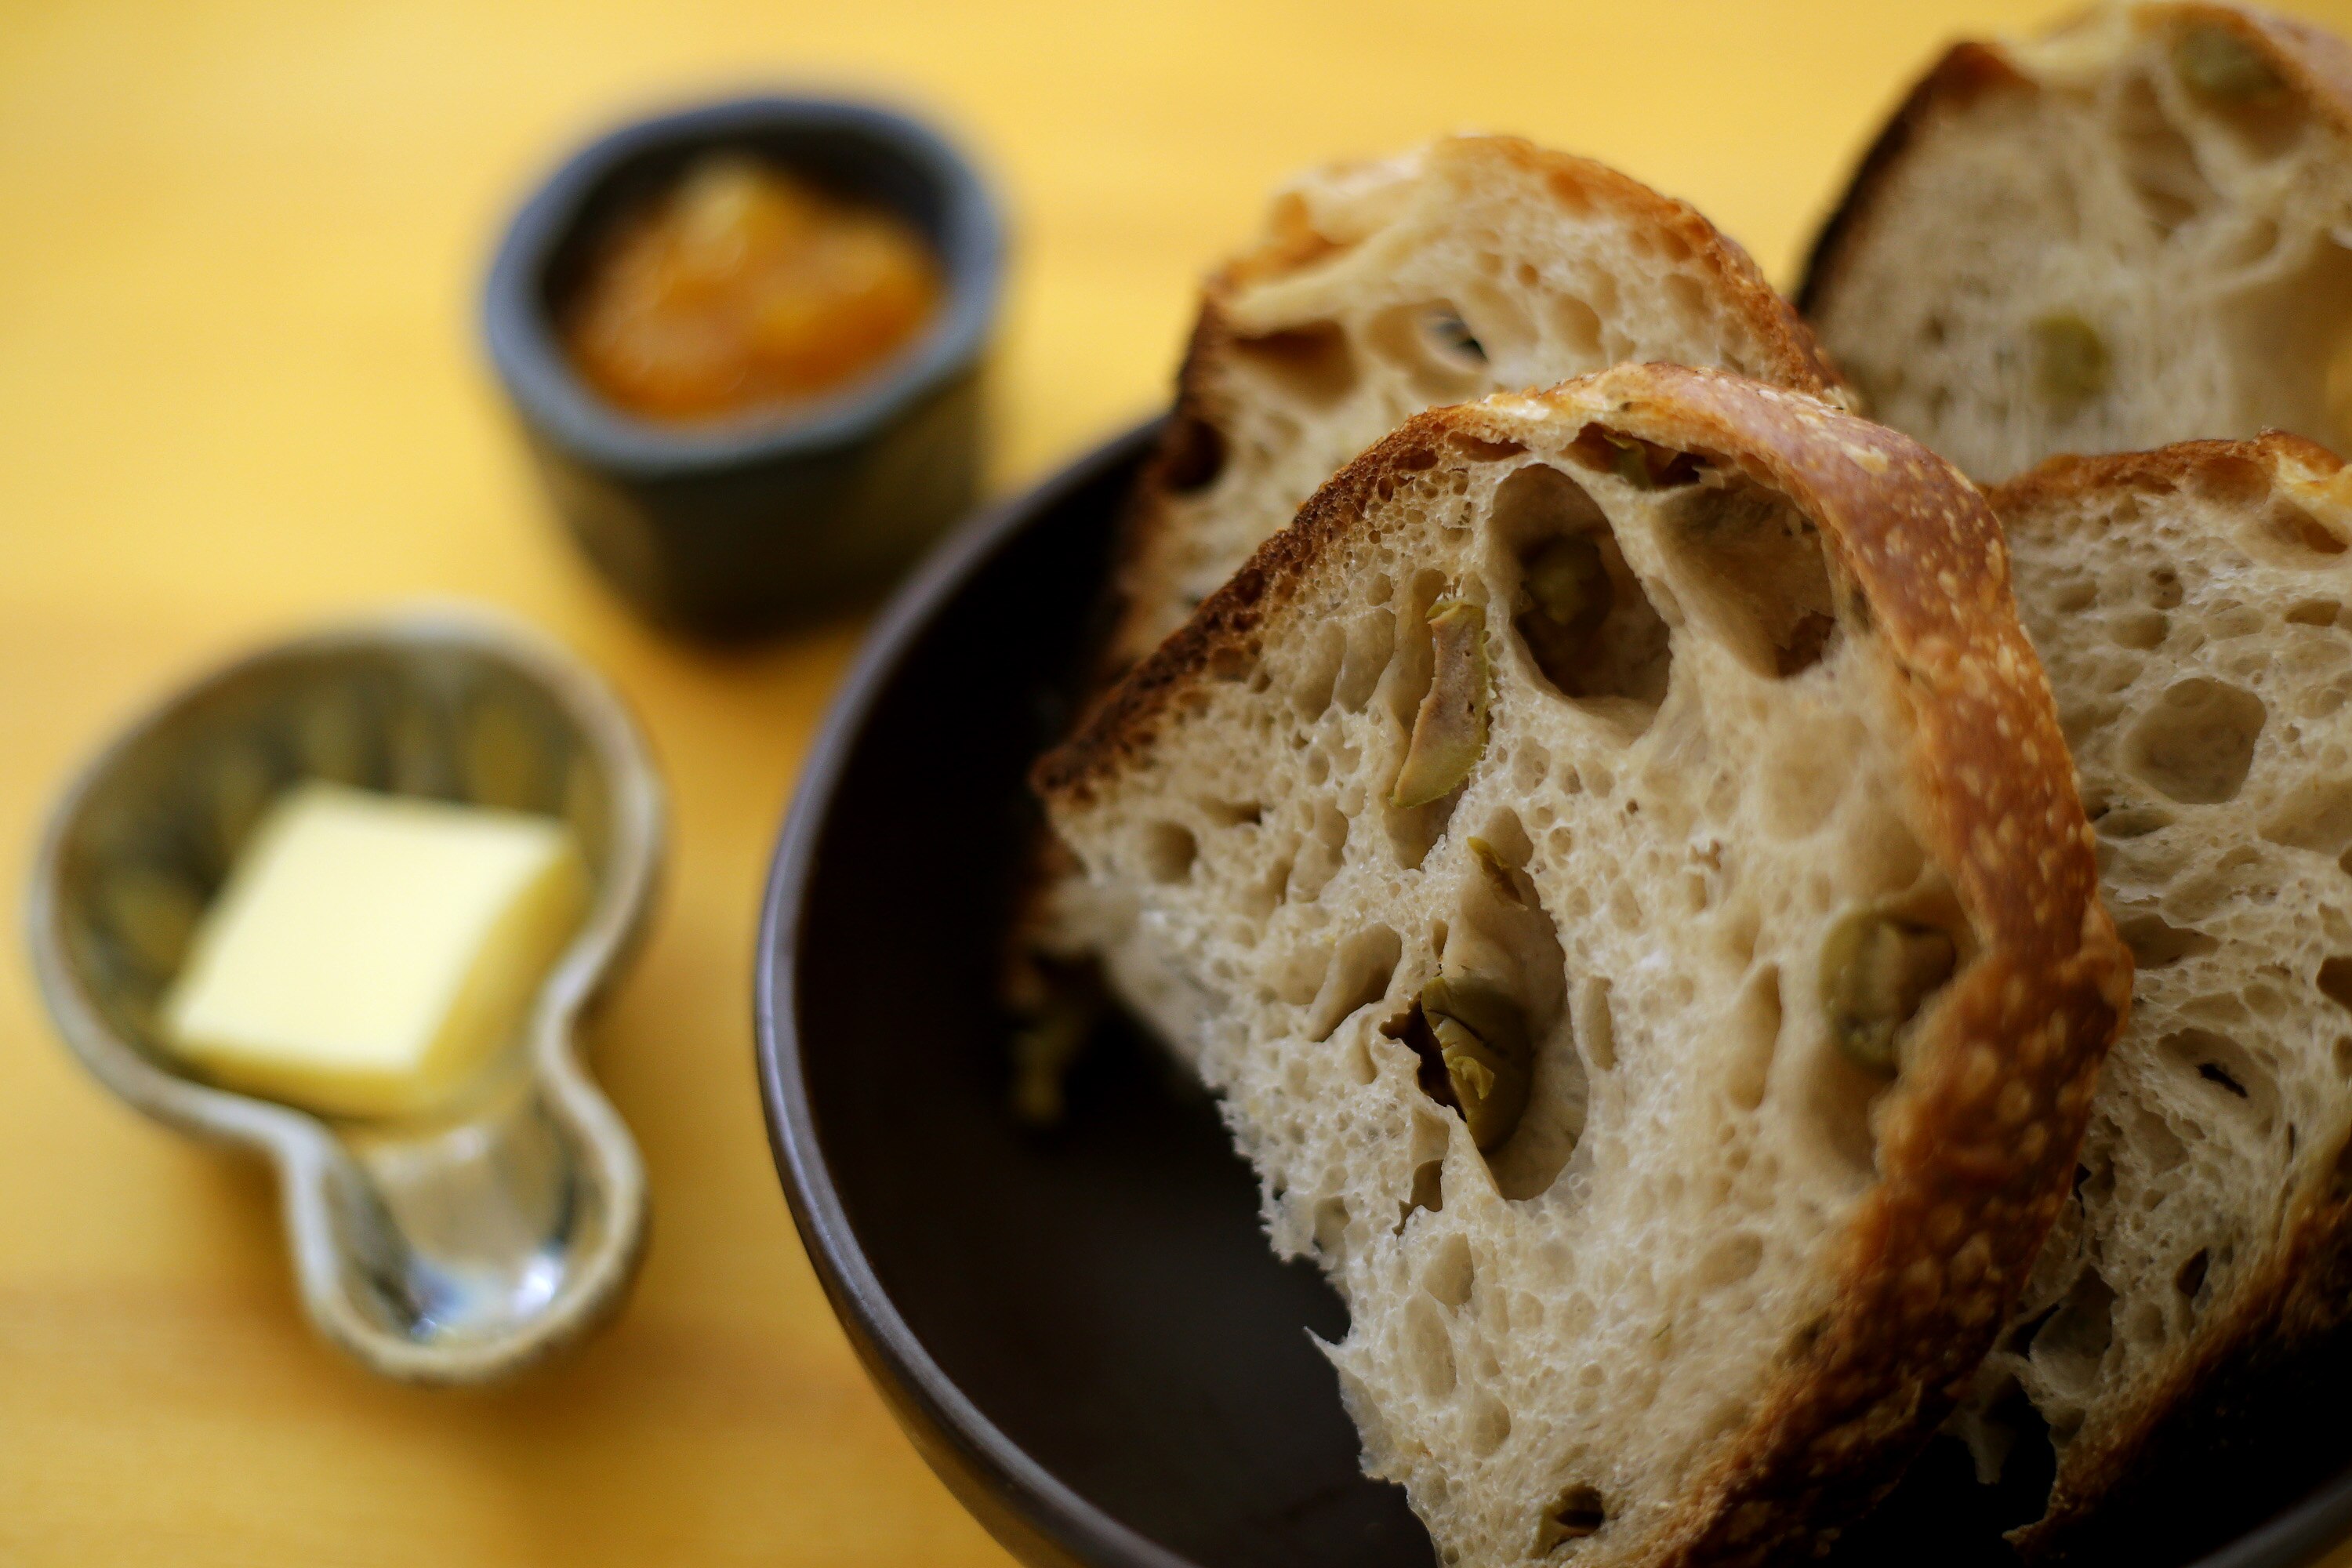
column 370, row 952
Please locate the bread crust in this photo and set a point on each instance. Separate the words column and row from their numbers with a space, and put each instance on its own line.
column 2253, row 1359
column 2314, row 64
column 1978, row 1142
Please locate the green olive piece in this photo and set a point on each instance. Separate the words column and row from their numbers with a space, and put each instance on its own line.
column 1449, row 732
column 1876, row 970
column 1497, row 873
column 1568, row 582
column 1633, row 466
column 1483, row 1037
column 2220, row 65
column 2070, row 359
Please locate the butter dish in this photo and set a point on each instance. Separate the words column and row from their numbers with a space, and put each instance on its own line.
column 451, row 1246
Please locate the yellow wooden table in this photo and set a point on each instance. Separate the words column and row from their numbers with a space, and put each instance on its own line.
column 240, row 392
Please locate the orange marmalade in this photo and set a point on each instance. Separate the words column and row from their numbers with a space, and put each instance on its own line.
column 745, row 286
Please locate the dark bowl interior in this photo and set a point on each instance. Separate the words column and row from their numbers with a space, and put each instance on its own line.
column 1085, row 1333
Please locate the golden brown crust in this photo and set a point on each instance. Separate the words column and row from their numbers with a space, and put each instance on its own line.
column 2064, row 479
column 2316, row 64
column 2252, row 1357
column 1976, row 1146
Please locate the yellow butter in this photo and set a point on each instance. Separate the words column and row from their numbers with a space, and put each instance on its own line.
column 370, row 952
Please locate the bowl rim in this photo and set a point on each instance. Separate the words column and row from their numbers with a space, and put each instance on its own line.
column 992, row 1475
column 319, row 1186
column 1016, row 1498
column 550, row 395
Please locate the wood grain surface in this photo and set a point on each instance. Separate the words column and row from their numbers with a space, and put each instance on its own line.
column 241, row 392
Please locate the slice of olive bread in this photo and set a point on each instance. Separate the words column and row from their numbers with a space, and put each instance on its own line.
column 2193, row 606
column 1617, row 860
column 1472, row 265
column 1377, row 289
column 2136, row 230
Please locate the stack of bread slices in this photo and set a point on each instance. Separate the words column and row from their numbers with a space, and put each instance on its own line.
column 1734, row 947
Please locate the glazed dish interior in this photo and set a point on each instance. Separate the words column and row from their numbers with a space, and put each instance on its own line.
column 464, row 1223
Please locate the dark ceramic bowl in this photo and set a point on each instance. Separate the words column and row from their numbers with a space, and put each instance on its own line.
column 1085, row 1333
column 727, row 528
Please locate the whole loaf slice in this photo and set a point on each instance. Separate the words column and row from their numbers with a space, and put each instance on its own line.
column 2136, row 230
column 2194, row 608
column 1377, row 289
column 1617, row 860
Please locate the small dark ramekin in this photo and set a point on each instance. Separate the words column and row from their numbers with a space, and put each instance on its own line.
column 727, row 528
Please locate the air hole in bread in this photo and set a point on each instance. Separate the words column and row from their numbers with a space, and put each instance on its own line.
column 2190, row 1278
column 1299, row 977
column 1317, row 672
column 1596, row 1025
column 1804, row 773
column 2313, row 613
column 1644, row 465
column 1428, row 1191
column 2164, row 589
column 1449, row 1274
column 1358, row 976
column 1577, row 324
column 1370, row 647
column 2073, row 1343
column 2215, row 1073
column 2293, row 326
column 2139, row 630
column 2220, row 1063
column 2156, row 943
column 1729, row 1260
column 1429, row 1348
column 1330, row 1226
column 1584, row 618
column 1750, row 564
column 2196, row 740
column 1314, row 363
column 1169, row 850
column 1478, row 449
column 1497, row 321
column 1754, row 1034
column 2316, row 816
column 1434, row 346
column 1487, row 1425
column 2295, row 532
column 2335, row 980
column 1232, row 813
column 1319, row 854
column 2124, row 823
column 2158, row 160
column 1192, row 454
column 1578, row 1511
